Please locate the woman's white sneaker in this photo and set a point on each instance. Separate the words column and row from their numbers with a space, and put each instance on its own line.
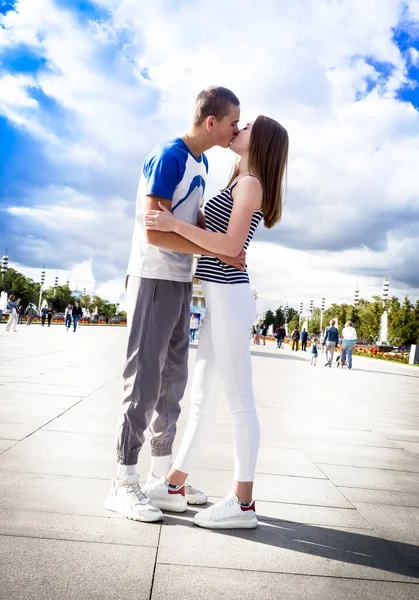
column 165, row 497
column 195, row 496
column 227, row 514
column 127, row 499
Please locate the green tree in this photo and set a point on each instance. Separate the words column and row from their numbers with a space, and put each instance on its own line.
column 279, row 319
column 13, row 282
column 59, row 297
column 269, row 317
column 369, row 314
column 314, row 322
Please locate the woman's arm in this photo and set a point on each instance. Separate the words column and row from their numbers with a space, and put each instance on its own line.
column 247, row 198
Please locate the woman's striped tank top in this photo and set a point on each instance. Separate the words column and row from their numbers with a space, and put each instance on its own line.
column 217, row 216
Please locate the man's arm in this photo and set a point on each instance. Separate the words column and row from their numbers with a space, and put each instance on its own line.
column 175, row 242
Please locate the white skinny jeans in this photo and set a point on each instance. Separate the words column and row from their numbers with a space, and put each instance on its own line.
column 224, row 357
column 12, row 322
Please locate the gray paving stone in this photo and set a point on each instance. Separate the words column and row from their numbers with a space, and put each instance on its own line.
column 61, row 453
column 52, row 569
column 172, row 581
column 5, row 444
column 41, row 388
column 396, row 459
column 378, row 479
column 399, row 525
column 83, row 528
column 52, row 493
column 412, row 447
column 274, row 488
column 8, row 397
column 380, row 496
column 273, row 460
column 284, row 547
column 313, row 515
column 28, row 413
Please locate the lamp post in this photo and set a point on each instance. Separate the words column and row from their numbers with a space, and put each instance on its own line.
column 55, row 284
column 311, row 308
column 300, row 314
column 117, row 309
column 356, row 295
column 41, row 289
column 322, row 307
column 384, row 294
column 4, row 263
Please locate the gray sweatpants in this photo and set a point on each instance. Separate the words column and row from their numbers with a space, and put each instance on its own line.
column 156, row 366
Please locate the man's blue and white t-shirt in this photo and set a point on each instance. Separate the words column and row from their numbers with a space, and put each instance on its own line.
column 172, row 172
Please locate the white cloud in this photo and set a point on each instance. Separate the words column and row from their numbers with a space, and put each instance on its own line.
column 353, row 180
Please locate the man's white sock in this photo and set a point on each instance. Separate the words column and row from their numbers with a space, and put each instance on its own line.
column 160, row 465
column 126, row 470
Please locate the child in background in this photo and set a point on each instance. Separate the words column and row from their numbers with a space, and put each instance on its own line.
column 314, row 352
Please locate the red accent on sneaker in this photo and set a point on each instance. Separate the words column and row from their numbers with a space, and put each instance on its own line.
column 180, row 491
column 251, row 507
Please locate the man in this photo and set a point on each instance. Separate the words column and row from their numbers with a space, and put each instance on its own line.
column 77, row 314
column 159, row 287
column 304, row 338
column 295, row 339
column 44, row 312
column 330, row 341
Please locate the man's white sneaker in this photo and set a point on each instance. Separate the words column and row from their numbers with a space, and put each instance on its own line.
column 227, row 514
column 127, row 499
column 166, row 498
column 195, row 496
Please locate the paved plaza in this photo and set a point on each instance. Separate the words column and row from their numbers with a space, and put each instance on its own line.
column 337, row 488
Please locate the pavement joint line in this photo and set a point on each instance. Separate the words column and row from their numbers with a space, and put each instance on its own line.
column 167, row 564
column 155, row 562
column 362, row 467
column 39, row 428
column 54, row 539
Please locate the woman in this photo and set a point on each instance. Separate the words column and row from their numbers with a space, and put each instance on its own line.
column 255, row 192
column 67, row 316
column 12, row 305
column 348, row 344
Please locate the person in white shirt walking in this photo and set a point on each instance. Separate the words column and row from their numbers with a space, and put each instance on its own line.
column 348, row 344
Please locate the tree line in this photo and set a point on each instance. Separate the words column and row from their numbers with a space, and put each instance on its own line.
column 403, row 319
column 25, row 288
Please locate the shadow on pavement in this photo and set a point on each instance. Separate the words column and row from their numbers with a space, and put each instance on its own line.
column 331, row 544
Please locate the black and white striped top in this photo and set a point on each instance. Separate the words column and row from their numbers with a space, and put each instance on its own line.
column 217, row 216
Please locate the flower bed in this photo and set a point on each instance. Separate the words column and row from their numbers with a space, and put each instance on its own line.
column 371, row 352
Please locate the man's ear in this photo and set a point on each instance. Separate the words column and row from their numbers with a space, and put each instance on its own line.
column 210, row 122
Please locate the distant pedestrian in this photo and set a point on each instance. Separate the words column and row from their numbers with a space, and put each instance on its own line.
column 256, row 336
column 314, row 352
column 304, row 338
column 348, row 343
column 12, row 305
column 193, row 326
column 30, row 313
column 50, row 314
column 44, row 313
column 77, row 315
column 331, row 339
column 20, row 313
column 67, row 316
column 264, row 333
column 295, row 339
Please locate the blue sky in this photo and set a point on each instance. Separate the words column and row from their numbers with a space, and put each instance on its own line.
column 87, row 89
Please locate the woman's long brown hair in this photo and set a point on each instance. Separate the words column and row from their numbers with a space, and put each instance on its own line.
column 268, row 159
